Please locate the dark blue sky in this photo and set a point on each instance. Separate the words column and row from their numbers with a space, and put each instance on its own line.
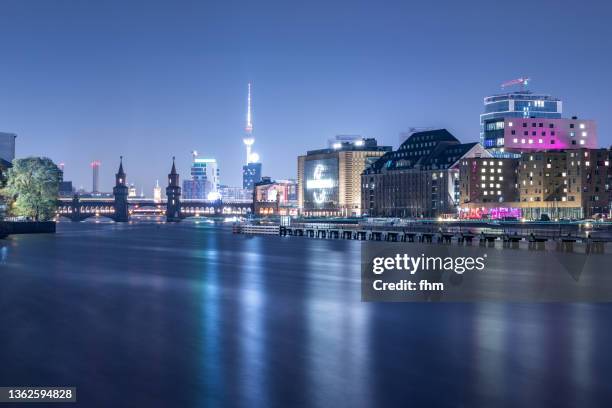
column 147, row 80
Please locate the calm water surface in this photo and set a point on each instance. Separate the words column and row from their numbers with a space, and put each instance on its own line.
column 188, row 315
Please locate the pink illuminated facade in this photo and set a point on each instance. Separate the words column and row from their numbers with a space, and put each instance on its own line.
column 532, row 134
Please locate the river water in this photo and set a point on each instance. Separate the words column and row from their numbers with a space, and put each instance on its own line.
column 189, row 315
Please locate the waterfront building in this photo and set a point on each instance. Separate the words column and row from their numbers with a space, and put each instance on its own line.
column 204, row 179
column 7, row 146
column 519, row 135
column 329, row 180
column 251, row 174
column 132, row 191
column 489, row 180
column 278, row 197
column 557, row 184
column 517, row 104
column 420, row 178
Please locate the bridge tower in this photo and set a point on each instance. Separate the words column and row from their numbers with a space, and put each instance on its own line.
column 173, row 194
column 120, row 191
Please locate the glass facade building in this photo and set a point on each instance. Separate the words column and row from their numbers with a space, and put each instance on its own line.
column 251, row 174
column 204, row 179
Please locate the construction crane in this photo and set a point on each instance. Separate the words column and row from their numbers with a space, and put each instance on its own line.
column 519, row 81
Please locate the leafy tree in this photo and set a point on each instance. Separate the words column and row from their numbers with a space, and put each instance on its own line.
column 32, row 186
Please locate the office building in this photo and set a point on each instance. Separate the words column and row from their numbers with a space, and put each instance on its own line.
column 518, row 104
column 419, row 179
column 7, row 146
column 204, row 179
column 251, row 174
column 329, row 180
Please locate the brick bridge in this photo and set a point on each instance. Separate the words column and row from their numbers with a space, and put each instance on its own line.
column 120, row 208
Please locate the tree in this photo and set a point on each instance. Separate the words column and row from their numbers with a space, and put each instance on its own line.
column 32, row 187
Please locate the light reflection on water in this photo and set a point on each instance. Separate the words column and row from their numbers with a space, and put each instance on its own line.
column 190, row 316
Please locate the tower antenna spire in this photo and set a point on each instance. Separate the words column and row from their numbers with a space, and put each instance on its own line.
column 248, row 139
column 249, row 119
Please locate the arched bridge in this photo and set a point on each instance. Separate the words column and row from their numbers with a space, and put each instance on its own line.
column 120, row 207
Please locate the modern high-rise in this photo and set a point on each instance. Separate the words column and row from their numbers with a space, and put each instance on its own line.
column 204, row 179
column 95, row 170
column 251, row 174
column 506, row 106
column 329, row 180
column 7, row 146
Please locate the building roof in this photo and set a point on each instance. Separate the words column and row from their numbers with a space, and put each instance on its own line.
column 427, row 150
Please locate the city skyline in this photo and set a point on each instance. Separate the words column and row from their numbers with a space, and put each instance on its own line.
column 152, row 93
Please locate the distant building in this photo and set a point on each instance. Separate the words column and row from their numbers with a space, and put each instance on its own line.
column 329, row 180
column 66, row 189
column 132, row 191
column 95, row 170
column 275, row 197
column 420, row 178
column 251, row 174
column 204, row 179
column 157, row 192
column 7, row 146
column 229, row 193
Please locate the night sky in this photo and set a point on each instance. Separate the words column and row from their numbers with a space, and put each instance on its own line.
column 84, row 80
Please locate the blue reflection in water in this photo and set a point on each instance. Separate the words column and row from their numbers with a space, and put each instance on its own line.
column 338, row 329
column 3, row 254
column 213, row 372
column 177, row 315
column 252, row 331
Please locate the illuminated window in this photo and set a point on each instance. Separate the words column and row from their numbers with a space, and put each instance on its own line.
column 540, row 141
column 515, row 140
column 523, row 141
column 582, row 126
column 582, row 142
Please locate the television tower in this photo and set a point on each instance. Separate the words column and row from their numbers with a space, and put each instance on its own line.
column 248, row 139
